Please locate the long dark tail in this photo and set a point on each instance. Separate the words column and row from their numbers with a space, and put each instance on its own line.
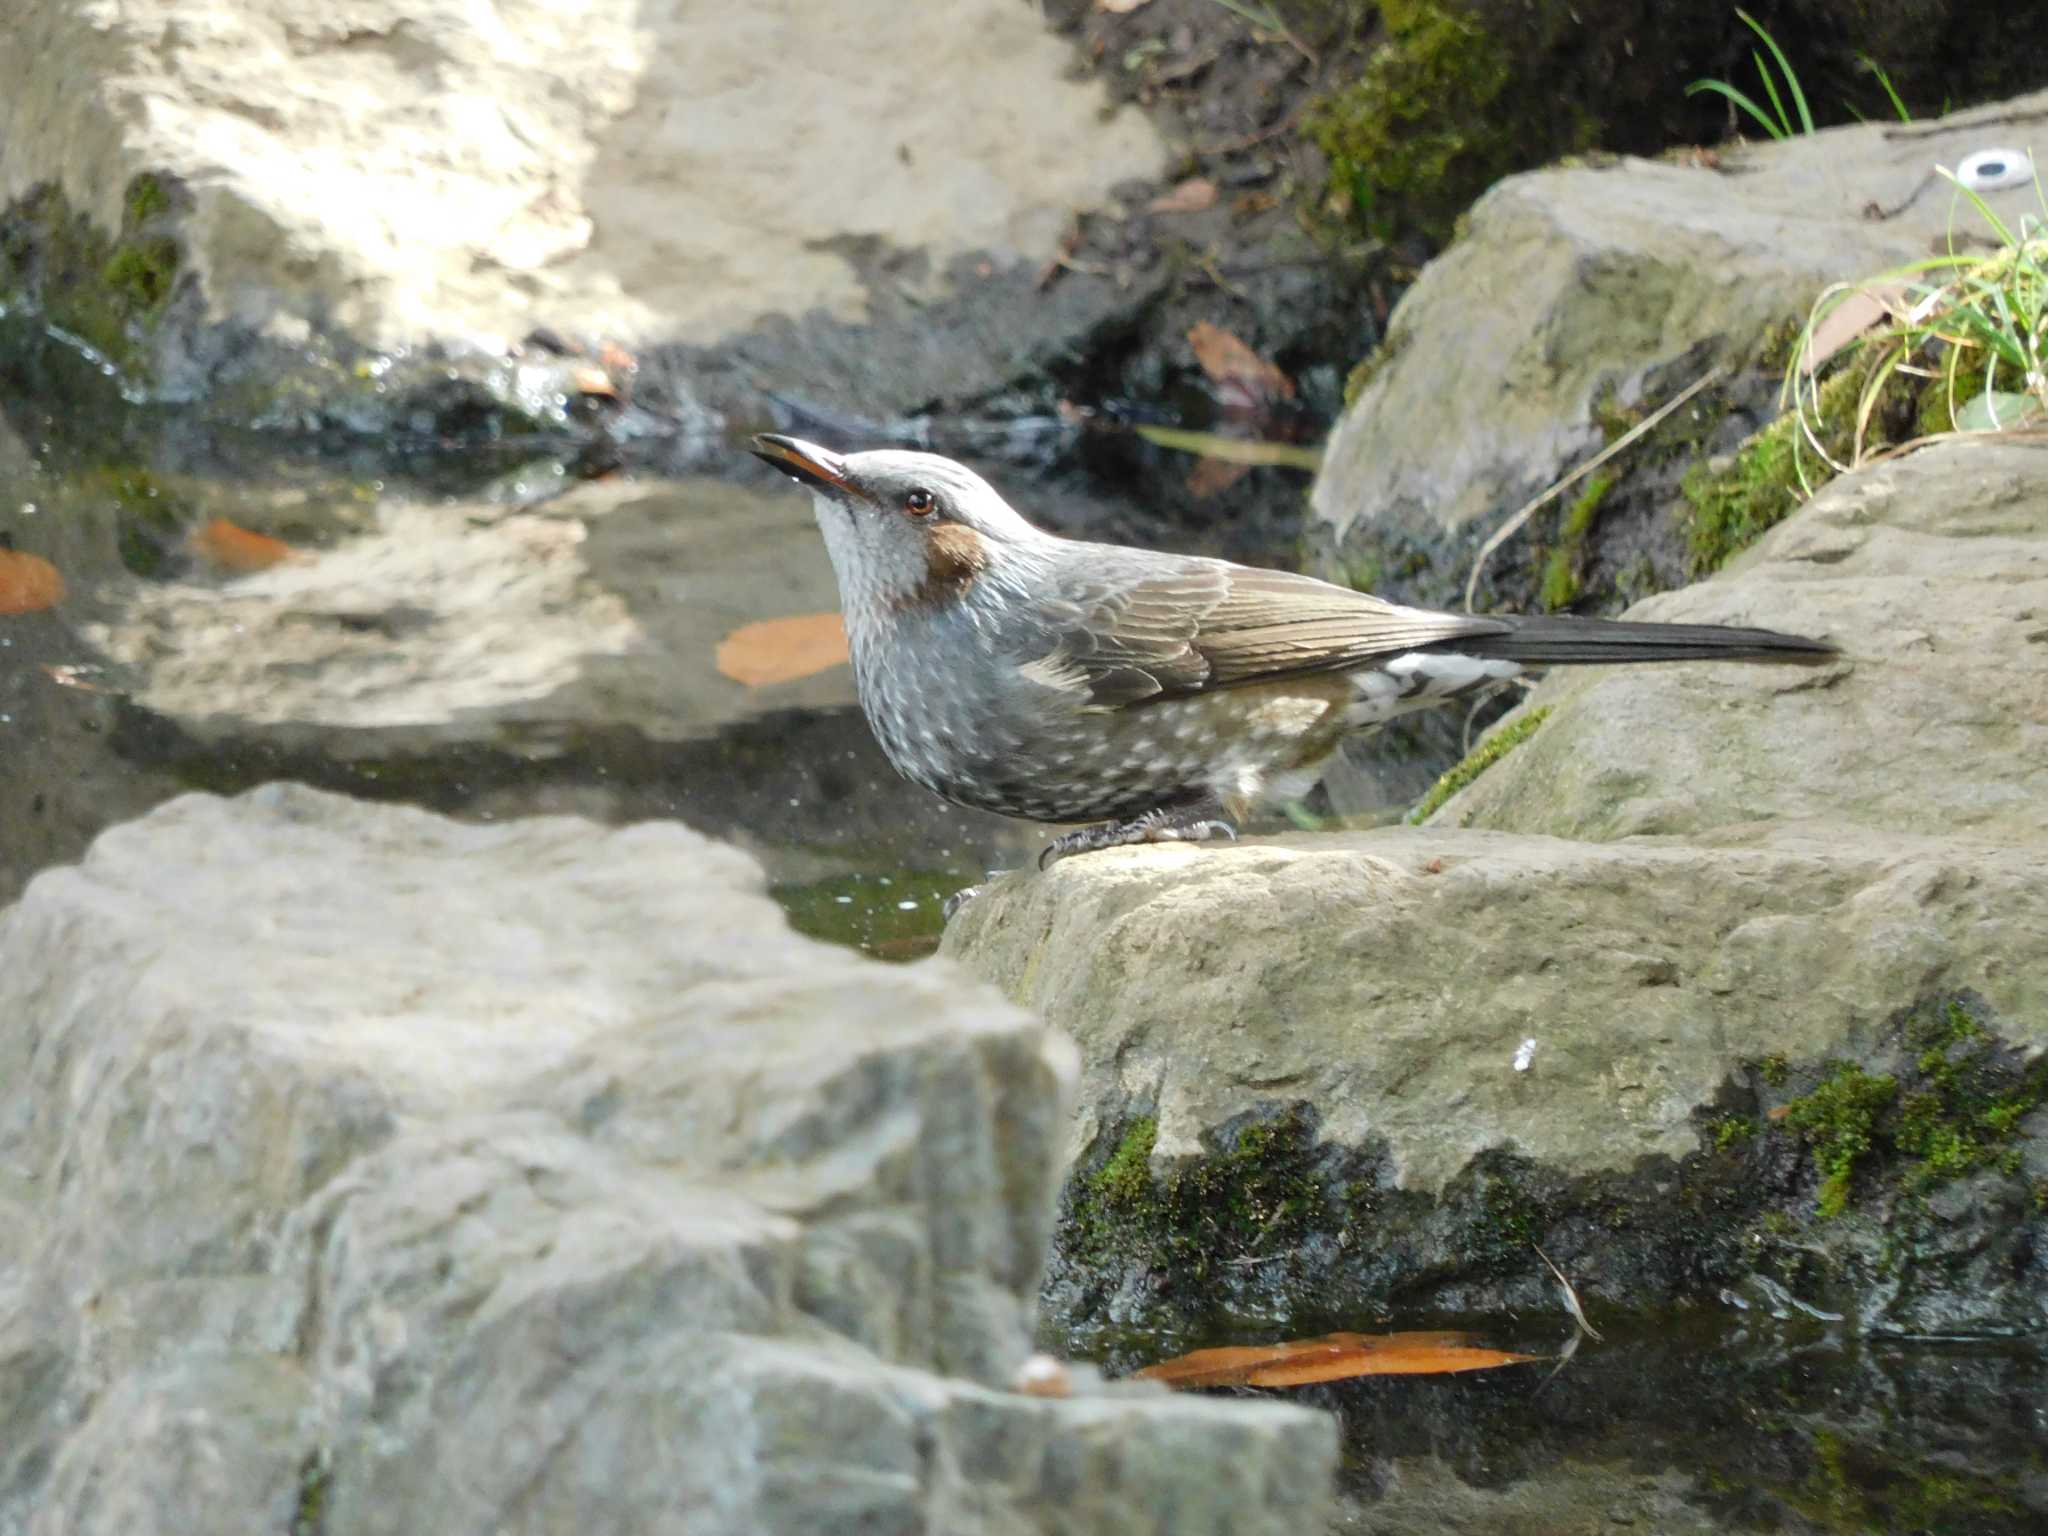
column 1546, row 640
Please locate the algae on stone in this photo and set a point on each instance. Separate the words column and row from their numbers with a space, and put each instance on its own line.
column 1477, row 761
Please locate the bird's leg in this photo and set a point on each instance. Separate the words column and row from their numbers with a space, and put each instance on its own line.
column 1192, row 821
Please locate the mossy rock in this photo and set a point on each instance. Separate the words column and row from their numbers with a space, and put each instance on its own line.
column 110, row 290
column 1437, row 99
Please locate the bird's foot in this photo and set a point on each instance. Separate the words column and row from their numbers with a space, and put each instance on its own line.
column 1176, row 824
column 964, row 895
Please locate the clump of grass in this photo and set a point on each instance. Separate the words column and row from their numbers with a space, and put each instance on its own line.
column 1777, row 122
column 1956, row 344
column 1970, row 327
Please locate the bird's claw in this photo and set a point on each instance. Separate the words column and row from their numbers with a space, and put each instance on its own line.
column 1152, row 828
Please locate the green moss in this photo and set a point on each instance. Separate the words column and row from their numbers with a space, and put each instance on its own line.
column 140, row 274
column 1561, row 583
column 1838, row 1119
column 1733, row 1131
column 146, row 198
column 1966, row 1105
column 1615, row 421
column 109, row 290
column 1126, row 1178
column 1774, row 1070
column 1852, row 1488
column 1477, row 761
column 1254, row 1194
column 1730, row 507
column 309, row 1518
column 1371, row 365
column 1954, row 1107
column 1432, row 121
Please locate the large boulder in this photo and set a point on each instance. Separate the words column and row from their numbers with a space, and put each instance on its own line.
column 187, row 184
column 1931, row 574
column 364, row 1171
column 1747, row 975
column 1589, row 287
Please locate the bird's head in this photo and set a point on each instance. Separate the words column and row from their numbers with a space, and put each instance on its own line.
column 906, row 531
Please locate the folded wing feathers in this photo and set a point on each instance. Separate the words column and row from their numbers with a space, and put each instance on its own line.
column 1206, row 624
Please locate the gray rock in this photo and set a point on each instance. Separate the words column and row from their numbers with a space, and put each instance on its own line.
column 621, row 172
column 1575, row 281
column 1931, row 573
column 368, row 1166
column 1390, row 978
column 1578, row 1006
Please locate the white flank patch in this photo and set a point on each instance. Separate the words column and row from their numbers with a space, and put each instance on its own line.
column 1447, row 671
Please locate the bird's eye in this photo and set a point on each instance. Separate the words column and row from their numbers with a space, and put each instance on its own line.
column 919, row 503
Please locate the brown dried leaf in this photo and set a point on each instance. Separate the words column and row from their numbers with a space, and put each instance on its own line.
column 1239, row 374
column 235, row 548
column 782, row 650
column 1849, row 319
column 28, row 583
column 1191, row 196
column 1212, row 477
column 1402, row 1360
column 1239, row 1365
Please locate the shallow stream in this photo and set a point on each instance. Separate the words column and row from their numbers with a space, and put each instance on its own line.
column 495, row 631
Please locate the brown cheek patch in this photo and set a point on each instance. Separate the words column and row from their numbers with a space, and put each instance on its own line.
column 954, row 557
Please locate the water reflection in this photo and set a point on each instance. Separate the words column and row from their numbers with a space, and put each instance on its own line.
column 487, row 633
column 1698, row 1422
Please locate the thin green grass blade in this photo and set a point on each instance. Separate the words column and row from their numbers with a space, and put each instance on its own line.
column 1791, row 80
column 1997, row 224
column 1723, row 88
column 1885, row 80
column 1763, row 72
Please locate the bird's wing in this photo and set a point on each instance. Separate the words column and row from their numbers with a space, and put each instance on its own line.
column 1130, row 628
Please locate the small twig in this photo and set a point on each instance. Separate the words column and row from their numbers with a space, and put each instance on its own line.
column 1266, row 19
column 1508, row 529
column 1486, row 696
column 1571, row 1297
column 1876, row 211
column 1959, row 125
column 1249, row 140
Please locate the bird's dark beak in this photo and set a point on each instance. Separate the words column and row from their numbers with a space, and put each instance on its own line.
column 819, row 468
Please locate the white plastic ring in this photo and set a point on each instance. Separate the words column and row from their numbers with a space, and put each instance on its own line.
column 1993, row 170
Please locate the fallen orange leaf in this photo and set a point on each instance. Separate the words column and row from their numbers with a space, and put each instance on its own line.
column 1212, row 477
column 1239, row 373
column 1191, row 196
column 782, row 650
column 1333, row 1357
column 28, row 583
column 235, row 548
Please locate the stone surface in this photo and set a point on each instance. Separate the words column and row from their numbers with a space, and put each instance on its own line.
column 382, row 1173
column 1390, row 977
column 1578, row 1008
column 1931, row 574
column 643, row 172
column 1578, row 281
